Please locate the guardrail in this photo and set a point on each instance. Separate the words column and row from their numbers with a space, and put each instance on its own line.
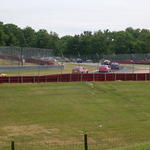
column 36, row 67
column 77, row 77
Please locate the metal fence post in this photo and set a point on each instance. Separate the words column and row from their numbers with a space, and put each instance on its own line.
column 21, row 79
column 145, row 77
column 12, row 145
column 70, row 79
column 57, row 78
column 125, row 77
column 85, row 142
column 105, row 76
column 81, row 76
column 9, row 79
column 61, row 77
column 114, row 76
column 93, row 76
column 33, row 79
column 45, row 78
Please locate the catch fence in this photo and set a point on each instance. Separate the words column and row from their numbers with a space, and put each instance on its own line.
column 25, row 52
column 26, row 55
column 114, row 57
column 20, row 60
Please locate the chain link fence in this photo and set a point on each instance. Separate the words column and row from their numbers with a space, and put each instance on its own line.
column 25, row 52
column 27, row 61
column 18, row 61
column 113, row 57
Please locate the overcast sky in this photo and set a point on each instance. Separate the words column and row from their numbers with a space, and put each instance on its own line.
column 75, row 16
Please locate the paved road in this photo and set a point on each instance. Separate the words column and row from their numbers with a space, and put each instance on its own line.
column 30, row 67
column 123, row 69
column 135, row 68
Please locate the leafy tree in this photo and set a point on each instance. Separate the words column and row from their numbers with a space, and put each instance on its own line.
column 87, row 43
column 122, row 43
column 3, row 36
column 30, row 37
column 15, row 35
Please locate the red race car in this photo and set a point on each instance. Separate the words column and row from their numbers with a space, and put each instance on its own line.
column 79, row 69
column 104, row 68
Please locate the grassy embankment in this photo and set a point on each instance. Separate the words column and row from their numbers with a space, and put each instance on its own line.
column 113, row 114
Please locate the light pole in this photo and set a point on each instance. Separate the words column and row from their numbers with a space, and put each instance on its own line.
column 132, row 61
column 62, row 60
column 132, row 65
column 98, row 61
column 149, row 67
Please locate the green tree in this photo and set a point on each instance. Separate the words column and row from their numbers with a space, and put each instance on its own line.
column 123, row 42
column 30, row 37
column 15, row 35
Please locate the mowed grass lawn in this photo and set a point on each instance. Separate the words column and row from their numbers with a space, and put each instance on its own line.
column 113, row 114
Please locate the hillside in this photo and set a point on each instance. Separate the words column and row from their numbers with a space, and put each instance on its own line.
column 44, row 116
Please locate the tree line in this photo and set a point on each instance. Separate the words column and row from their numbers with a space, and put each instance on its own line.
column 128, row 41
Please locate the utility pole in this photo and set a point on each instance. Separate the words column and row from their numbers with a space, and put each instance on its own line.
column 21, row 55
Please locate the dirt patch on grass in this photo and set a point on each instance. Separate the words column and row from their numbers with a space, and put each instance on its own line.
column 57, row 141
column 114, row 140
column 28, row 130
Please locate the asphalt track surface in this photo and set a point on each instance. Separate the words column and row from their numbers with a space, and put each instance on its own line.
column 130, row 68
column 31, row 67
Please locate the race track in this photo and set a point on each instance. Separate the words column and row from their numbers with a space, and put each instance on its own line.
column 40, row 67
column 130, row 68
column 124, row 68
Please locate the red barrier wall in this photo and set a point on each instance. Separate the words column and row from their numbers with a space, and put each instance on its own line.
column 76, row 77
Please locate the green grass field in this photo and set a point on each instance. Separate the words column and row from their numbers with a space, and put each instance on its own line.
column 5, row 62
column 115, row 115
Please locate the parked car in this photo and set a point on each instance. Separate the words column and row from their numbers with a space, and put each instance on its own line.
column 79, row 69
column 79, row 60
column 88, row 61
column 115, row 65
column 73, row 60
column 104, row 68
column 66, row 60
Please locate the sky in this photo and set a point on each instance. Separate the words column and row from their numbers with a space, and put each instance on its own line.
column 70, row 17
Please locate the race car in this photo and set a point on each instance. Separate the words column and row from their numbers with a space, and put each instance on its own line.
column 79, row 60
column 104, row 68
column 115, row 65
column 106, row 62
column 79, row 69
